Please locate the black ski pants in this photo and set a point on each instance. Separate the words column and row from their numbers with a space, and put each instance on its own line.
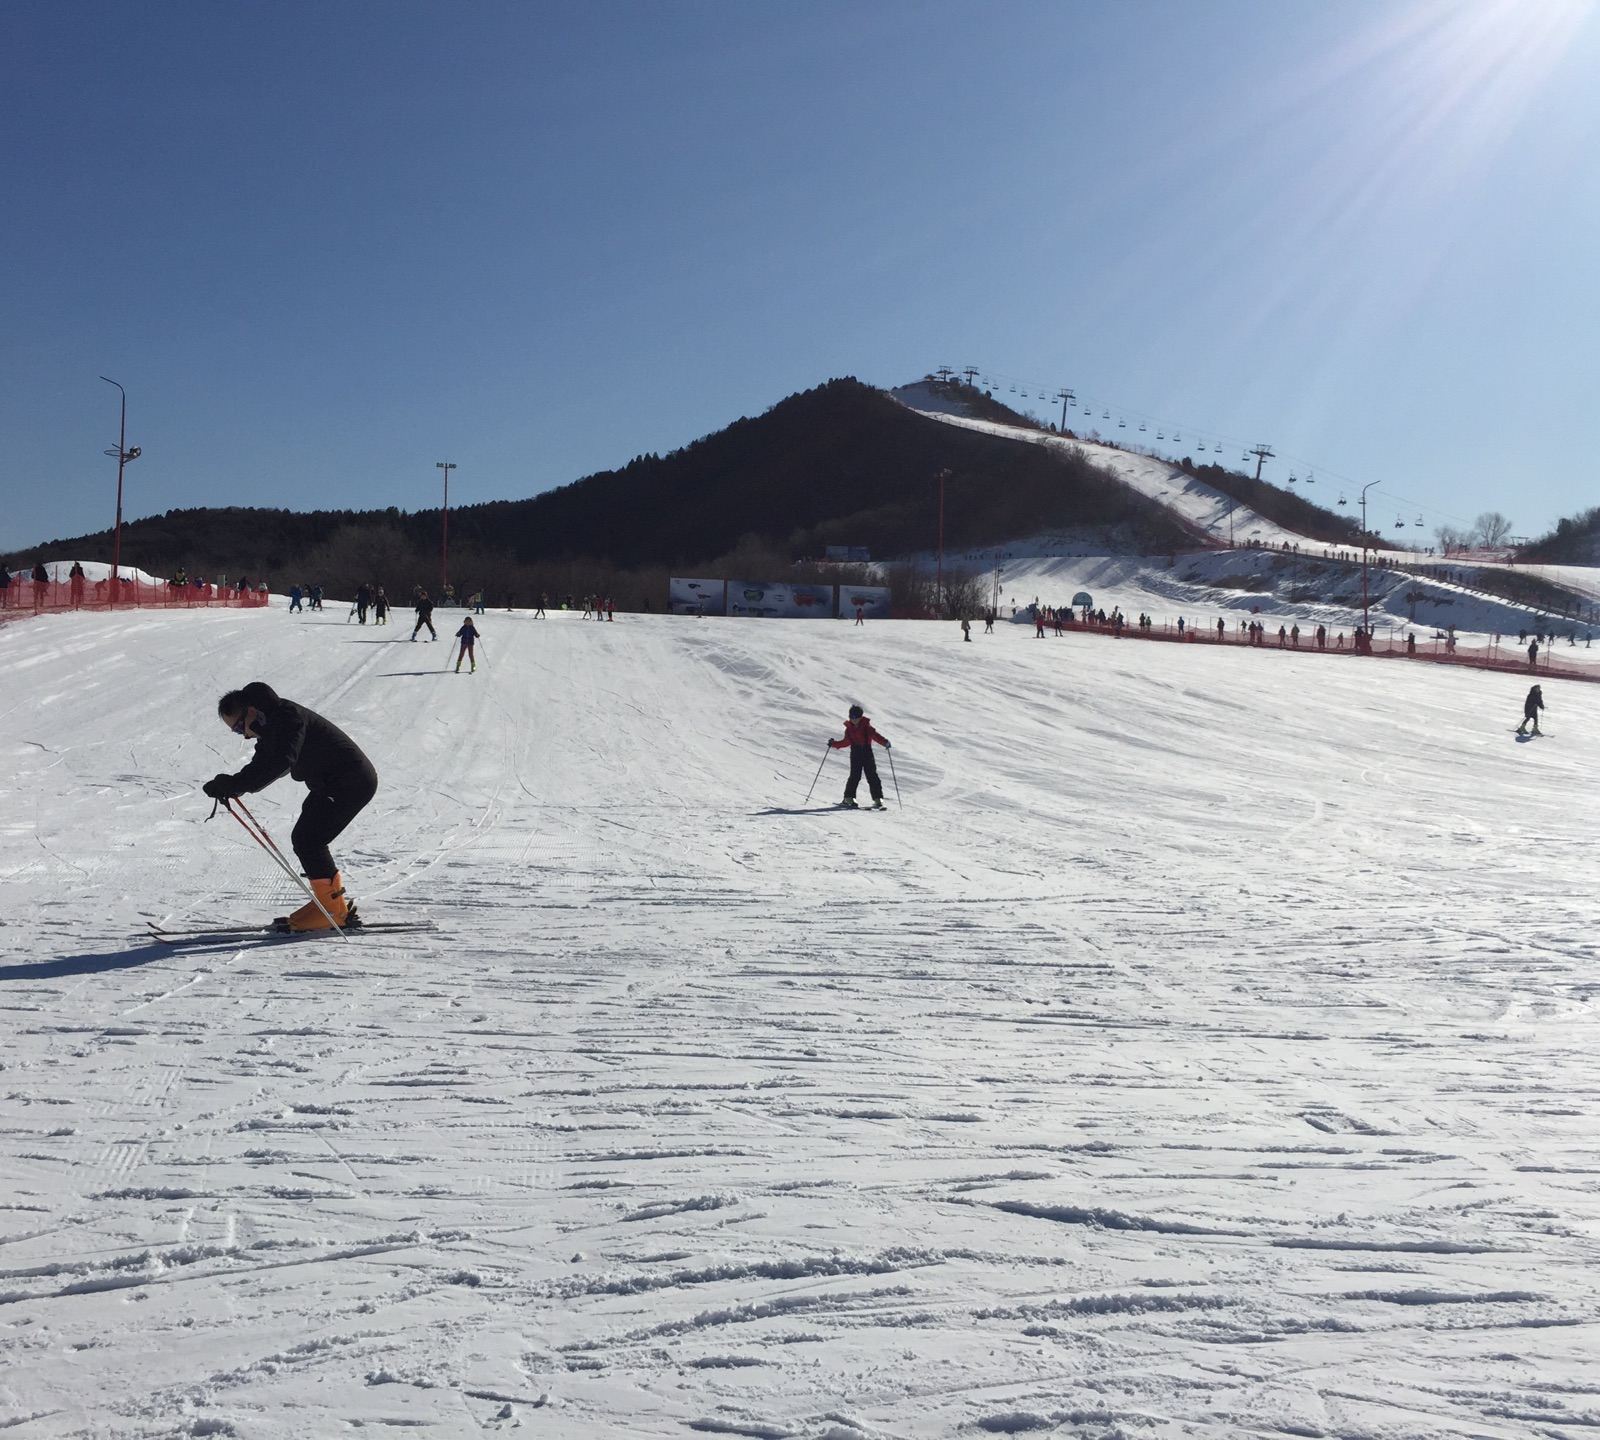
column 421, row 621
column 325, row 815
column 862, row 763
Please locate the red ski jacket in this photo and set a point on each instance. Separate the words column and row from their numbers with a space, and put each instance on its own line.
column 858, row 732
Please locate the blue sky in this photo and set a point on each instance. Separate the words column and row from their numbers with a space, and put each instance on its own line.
column 326, row 245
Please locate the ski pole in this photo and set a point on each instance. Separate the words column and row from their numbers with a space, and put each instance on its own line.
column 897, row 800
column 258, row 832
column 451, row 656
column 827, row 751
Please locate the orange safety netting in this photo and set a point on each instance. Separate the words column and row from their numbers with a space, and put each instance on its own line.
column 37, row 597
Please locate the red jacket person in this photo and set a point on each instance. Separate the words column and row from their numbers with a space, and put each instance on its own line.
column 858, row 737
column 292, row 740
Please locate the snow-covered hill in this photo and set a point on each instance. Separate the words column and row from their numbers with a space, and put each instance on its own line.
column 1206, row 1046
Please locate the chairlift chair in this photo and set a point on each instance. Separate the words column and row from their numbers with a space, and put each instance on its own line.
column 1292, row 480
column 1176, row 438
column 1218, row 447
column 1399, row 524
column 1141, row 427
column 1122, row 424
column 1341, row 500
column 1106, row 416
column 1160, row 436
column 1419, row 521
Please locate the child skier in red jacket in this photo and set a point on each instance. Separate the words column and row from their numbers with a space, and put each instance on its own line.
column 858, row 737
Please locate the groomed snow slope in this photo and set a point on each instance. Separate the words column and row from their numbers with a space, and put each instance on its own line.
column 1206, row 1048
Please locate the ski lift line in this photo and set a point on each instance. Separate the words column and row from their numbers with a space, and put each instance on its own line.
column 1203, row 442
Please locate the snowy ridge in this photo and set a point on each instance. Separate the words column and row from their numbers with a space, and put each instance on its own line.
column 1204, row 1048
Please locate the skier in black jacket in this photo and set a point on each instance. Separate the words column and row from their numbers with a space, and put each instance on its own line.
column 292, row 740
column 1530, row 711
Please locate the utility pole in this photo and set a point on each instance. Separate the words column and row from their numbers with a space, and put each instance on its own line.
column 1365, row 627
column 969, row 372
column 123, row 455
column 939, row 576
column 1263, row 453
column 1066, row 397
column 444, row 526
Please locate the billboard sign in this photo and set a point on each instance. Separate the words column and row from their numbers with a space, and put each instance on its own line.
column 780, row 601
column 695, row 597
column 871, row 600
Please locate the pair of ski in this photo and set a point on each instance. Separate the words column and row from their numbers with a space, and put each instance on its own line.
column 231, row 932
column 851, row 805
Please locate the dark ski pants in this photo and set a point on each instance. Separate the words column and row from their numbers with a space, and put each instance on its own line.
column 421, row 621
column 862, row 763
column 324, row 816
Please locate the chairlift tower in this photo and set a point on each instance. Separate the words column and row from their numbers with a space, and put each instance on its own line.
column 969, row 372
column 1364, row 538
column 1263, row 453
column 1066, row 397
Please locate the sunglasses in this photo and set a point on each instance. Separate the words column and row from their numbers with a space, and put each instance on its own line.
column 238, row 725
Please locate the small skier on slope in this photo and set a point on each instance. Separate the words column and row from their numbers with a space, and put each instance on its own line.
column 292, row 740
column 468, row 636
column 858, row 737
column 1530, row 711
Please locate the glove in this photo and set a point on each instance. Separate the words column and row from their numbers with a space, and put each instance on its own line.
column 887, row 745
column 218, row 787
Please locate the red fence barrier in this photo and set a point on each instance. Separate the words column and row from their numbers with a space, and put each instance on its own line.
column 1507, row 655
column 36, row 597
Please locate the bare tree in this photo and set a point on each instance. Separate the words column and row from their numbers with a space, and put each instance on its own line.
column 1492, row 528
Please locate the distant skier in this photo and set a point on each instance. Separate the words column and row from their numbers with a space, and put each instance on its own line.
column 380, row 607
column 424, row 616
column 363, row 602
column 1530, row 711
column 75, row 579
column 966, row 629
column 468, row 636
column 858, row 738
column 292, row 740
column 1533, row 654
column 295, row 593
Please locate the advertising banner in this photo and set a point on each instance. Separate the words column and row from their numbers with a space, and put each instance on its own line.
column 780, row 601
column 872, row 600
column 695, row 597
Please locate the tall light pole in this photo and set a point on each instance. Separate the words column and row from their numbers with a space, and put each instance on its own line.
column 1364, row 624
column 123, row 455
column 444, row 526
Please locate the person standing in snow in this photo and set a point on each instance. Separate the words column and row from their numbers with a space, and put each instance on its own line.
column 380, row 607
column 424, row 616
column 966, row 629
column 468, row 636
column 1530, row 711
column 1533, row 654
column 75, row 580
column 858, row 739
column 292, row 740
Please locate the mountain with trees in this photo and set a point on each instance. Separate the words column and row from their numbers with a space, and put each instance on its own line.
column 1574, row 541
column 841, row 464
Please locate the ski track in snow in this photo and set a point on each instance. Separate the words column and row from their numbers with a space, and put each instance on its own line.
column 1206, row 1048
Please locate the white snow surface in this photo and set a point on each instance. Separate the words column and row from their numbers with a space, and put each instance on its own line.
column 1206, row 1048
